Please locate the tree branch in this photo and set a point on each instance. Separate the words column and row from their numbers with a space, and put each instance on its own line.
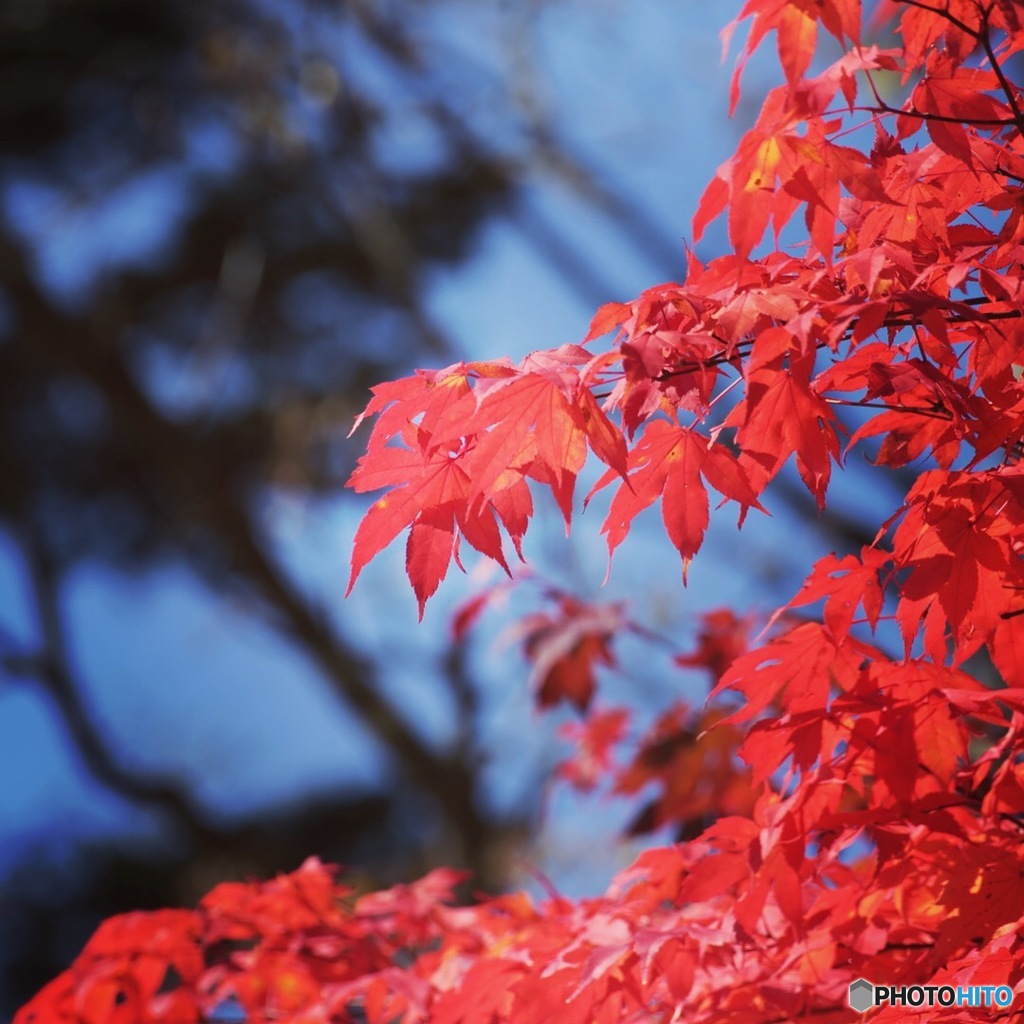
column 82, row 347
column 52, row 669
column 1005, row 85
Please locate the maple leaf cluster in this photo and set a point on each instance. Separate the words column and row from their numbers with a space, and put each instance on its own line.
column 843, row 810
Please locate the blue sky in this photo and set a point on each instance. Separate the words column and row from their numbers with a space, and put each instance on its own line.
column 640, row 92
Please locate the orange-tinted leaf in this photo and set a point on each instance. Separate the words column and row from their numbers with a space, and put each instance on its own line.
column 609, row 316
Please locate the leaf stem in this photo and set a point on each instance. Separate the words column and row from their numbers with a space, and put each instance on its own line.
column 938, row 414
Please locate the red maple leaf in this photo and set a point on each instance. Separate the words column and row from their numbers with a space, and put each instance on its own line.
column 671, row 463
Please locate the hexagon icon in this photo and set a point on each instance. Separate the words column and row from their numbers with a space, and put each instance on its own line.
column 861, row 995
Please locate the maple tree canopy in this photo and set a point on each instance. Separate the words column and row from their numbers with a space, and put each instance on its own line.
column 859, row 812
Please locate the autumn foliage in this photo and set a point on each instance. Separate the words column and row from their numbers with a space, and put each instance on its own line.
column 844, row 811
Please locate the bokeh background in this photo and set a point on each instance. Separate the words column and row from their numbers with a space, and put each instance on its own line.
column 220, row 223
